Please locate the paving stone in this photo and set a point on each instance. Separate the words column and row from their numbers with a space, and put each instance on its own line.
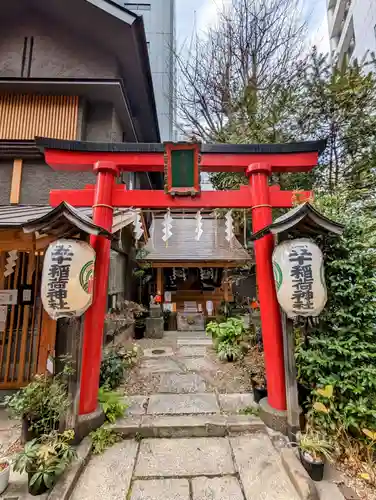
column 184, row 457
column 240, row 424
column 136, row 405
column 192, row 351
column 182, row 404
column 156, row 352
column 232, row 403
column 156, row 489
column 181, row 426
column 260, row 469
column 194, row 341
column 216, row 488
column 159, row 365
column 128, row 426
column 108, row 475
column 199, row 364
column 182, row 383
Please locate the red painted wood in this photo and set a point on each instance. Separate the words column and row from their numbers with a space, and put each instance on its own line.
column 149, row 199
column 154, row 162
column 94, row 317
column 269, row 307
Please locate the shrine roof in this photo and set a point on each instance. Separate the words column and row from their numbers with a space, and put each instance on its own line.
column 182, row 246
column 115, row 147
column 303, row 218
column 61, row 220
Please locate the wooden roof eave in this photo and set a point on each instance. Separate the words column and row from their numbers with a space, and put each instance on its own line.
column 198, row 263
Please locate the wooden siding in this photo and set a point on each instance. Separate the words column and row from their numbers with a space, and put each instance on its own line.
column 24, row 116
column 29, row 336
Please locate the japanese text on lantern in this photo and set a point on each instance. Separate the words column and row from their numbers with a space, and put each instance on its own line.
column 302, row 278
column 58, row 276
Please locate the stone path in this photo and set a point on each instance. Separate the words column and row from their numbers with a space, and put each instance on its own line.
column 186, row 441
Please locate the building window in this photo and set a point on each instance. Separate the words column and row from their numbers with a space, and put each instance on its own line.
column 138, row 6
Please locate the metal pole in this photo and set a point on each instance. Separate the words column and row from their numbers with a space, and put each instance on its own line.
column 293, row 410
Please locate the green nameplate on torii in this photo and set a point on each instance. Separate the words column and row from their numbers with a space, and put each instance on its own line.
column 182, row 168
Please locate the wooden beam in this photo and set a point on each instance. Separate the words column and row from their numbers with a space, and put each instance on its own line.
column 159, row 281
column 202, row 263
column 16, row 181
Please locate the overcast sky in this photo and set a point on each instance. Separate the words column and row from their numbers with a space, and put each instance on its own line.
column 202, row 13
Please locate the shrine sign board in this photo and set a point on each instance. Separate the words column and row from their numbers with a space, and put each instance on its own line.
column 299, row 277
column 67, row 278
column 182, row 173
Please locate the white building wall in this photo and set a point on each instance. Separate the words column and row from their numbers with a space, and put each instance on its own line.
column 352, row 28
column 159, row 21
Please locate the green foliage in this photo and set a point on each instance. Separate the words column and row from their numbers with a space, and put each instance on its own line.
column 341, row 351
column 103, row 438
column 45, row 459
column 229, row 352
column 316, row 445
column 43, row 402
column 250, row 410
column 114, row 364
column 112, row 404
column 227, row 337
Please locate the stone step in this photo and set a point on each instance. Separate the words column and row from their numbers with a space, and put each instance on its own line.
column 186, row 426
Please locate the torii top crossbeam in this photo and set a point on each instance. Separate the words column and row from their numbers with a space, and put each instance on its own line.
column 82, row 156
column 182, row 163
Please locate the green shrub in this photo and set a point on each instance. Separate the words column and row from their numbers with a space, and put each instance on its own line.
column 102, row 438
column 114, row 364
column 341, row 351
column 112, row 404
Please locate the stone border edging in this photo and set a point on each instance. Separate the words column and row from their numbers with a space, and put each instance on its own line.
column 66, row 484
column 303, row 484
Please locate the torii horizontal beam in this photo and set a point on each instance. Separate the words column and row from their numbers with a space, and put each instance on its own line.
column 82, row 156
column 150, row 199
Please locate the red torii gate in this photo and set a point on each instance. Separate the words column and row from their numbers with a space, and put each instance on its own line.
column 107, row 160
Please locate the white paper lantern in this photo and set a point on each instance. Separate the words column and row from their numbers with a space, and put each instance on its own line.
column 67, row 278
column 299, row 277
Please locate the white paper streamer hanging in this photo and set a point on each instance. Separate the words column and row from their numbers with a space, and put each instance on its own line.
column 138, row 229
column 229, row 225
column 199, row 229
column 167, row 226
column 11, row 262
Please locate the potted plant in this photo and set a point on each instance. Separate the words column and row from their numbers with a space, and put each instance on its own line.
column 229, row 352
column 314, row 450
column 4, row 474
column 44, row 459
column 258, row 382
column 41, row 404
column 139, row 325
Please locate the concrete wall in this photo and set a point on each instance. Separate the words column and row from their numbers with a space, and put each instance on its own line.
column 6, row 169
column 38, row 179
column 56, row 52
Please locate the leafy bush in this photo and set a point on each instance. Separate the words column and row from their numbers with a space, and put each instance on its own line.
column 45, row 459
column 114, row 364
column 103, row 438
column 112, row 404
column 341, row 351
column 43, row 402
column 227, row 337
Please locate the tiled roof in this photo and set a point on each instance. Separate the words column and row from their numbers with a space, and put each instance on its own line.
column 182, row 245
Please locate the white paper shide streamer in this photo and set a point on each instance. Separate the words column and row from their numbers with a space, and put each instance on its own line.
column 199, row 230
column 138, row 229
column 11, row 262
column 167, row 226
column 229, row 225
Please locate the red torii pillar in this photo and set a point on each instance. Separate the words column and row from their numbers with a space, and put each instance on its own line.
column 106, row 194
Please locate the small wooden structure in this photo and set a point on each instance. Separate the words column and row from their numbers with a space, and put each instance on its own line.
column 27, row 333
column 194, row 272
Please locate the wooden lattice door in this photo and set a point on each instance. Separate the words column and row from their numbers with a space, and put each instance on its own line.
column 28, row 335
